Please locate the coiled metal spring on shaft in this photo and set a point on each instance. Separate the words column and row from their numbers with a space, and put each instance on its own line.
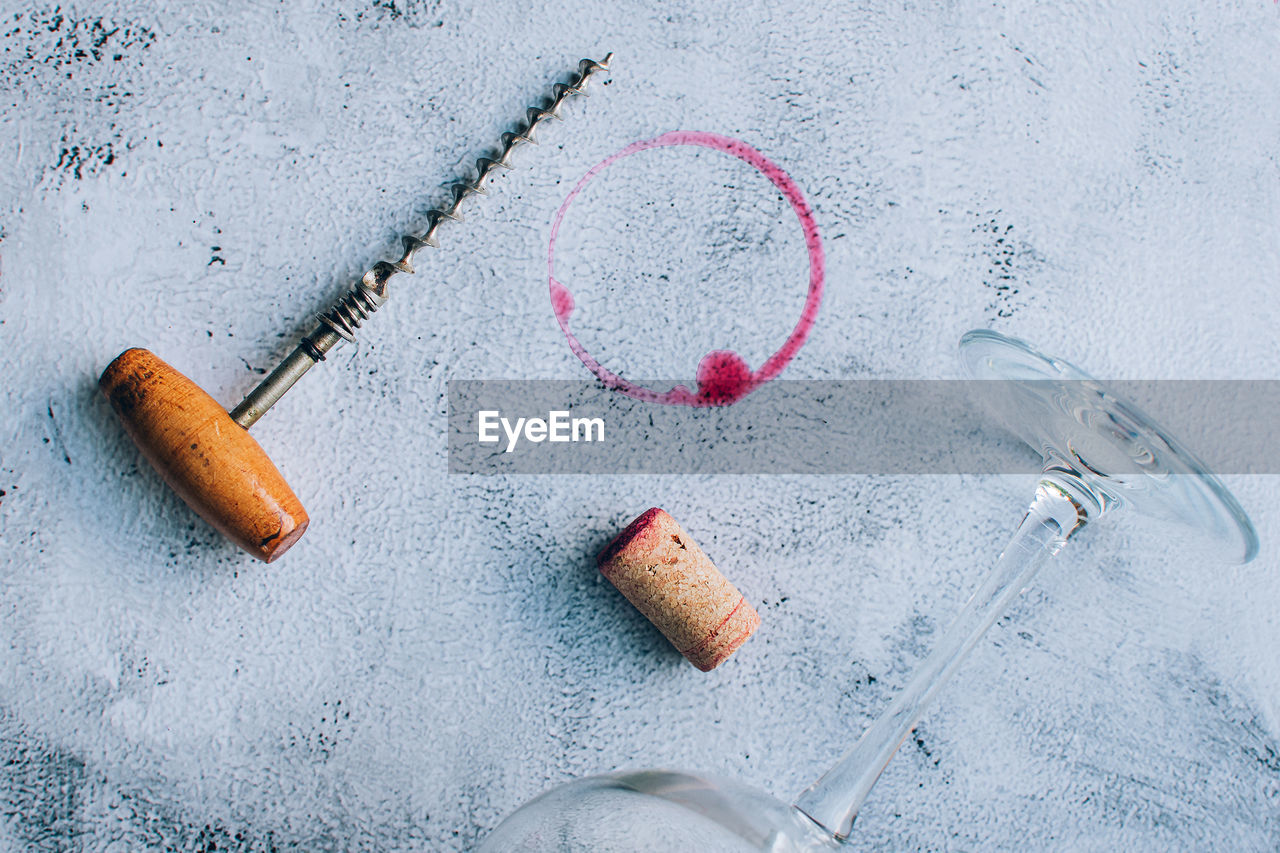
column 369, row 294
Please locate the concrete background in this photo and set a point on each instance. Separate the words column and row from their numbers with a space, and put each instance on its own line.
column 1101, row 179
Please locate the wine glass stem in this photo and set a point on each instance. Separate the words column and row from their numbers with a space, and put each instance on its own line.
column 833, row 801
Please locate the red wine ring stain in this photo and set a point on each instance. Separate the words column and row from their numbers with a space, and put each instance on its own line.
column 723, row 377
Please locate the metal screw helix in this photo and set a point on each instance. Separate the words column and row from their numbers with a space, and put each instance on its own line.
column 340, row 322
column 371, row 292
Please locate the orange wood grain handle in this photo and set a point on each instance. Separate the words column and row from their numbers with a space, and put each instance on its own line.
column 207, row 458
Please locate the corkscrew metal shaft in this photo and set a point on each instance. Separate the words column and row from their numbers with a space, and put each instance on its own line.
column 341, row 321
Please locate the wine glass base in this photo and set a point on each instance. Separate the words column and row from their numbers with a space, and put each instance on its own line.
column 1100, row 448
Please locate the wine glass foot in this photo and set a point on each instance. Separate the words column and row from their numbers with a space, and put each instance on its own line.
column 1100, row 449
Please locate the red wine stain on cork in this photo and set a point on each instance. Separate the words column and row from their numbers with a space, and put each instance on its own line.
column 723, row 376
column 623, row 539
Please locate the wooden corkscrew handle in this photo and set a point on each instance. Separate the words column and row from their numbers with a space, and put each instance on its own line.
column 207, row 458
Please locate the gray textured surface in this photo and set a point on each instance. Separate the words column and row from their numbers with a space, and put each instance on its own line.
column 1101, row 179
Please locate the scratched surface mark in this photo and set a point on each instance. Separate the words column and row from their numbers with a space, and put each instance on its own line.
column 1100, row 178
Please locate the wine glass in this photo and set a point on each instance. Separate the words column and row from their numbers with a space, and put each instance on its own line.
column 1100, row 454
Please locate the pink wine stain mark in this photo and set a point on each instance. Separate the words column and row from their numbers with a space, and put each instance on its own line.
column 723, row 377
column 561, row 301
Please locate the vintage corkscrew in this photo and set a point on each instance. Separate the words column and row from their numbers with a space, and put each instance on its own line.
column 205, row 453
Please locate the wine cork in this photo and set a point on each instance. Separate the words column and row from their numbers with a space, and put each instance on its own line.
column 663, row 572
